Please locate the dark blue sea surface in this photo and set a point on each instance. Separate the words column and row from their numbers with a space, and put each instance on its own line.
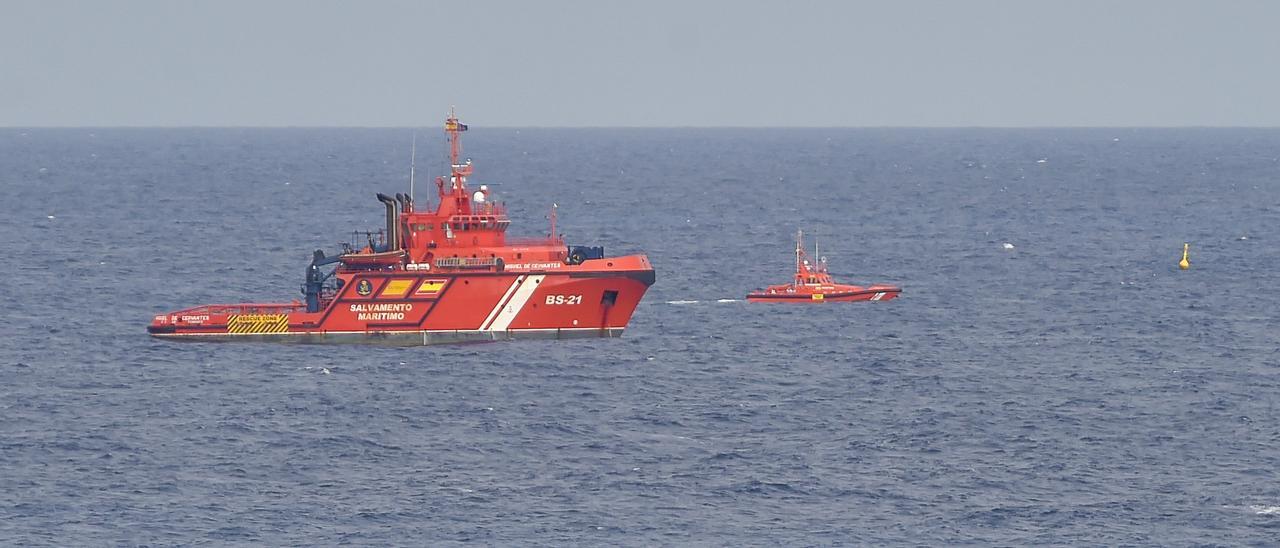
column 1076, row 389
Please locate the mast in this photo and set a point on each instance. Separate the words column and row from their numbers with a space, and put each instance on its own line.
column 458, row 170
column 553, row 220
column 413, row 161
column 799, row 250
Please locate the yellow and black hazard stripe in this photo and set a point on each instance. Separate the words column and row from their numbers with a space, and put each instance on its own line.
column 253, row 324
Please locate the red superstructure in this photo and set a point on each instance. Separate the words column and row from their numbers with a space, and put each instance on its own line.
column 442, row 276
column 812, row 284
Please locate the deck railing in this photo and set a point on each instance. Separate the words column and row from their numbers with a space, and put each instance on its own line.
column 466, row 262
column 247, row 308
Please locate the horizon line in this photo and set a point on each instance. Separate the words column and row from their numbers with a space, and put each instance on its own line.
column 482, row 128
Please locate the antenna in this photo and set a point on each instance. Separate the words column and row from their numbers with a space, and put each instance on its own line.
column 799, row 239
column 553, row 219
column 413, row 163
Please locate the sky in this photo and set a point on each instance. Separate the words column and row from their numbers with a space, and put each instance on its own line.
column 604, row 63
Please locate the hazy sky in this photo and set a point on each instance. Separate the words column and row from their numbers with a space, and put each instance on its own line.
column 640, row 63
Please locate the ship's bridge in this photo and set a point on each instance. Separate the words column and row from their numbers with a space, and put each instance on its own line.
column 487, row 216
column 484, row 225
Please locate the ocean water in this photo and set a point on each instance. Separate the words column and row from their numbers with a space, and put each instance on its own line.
column 1077, row 389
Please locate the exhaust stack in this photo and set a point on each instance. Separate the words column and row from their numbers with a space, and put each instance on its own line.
column 393, row 238
column 404, row 202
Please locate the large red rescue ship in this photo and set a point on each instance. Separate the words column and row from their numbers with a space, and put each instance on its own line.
column 444, row 276
column 812, row 284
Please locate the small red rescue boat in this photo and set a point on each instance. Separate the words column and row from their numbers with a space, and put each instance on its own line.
column 812, row 284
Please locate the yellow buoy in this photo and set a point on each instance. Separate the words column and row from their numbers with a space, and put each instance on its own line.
column 1184, row 263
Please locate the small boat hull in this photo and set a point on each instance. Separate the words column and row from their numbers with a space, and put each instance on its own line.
column 868, row 294
column 373, row 260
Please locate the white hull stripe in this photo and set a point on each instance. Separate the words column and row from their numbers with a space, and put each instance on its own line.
column 485, row 324
column 877, row 296
column 516, row 304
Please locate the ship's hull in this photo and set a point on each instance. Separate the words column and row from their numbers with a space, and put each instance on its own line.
column 869, row 294
column 411, row 308
column 397, row 338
